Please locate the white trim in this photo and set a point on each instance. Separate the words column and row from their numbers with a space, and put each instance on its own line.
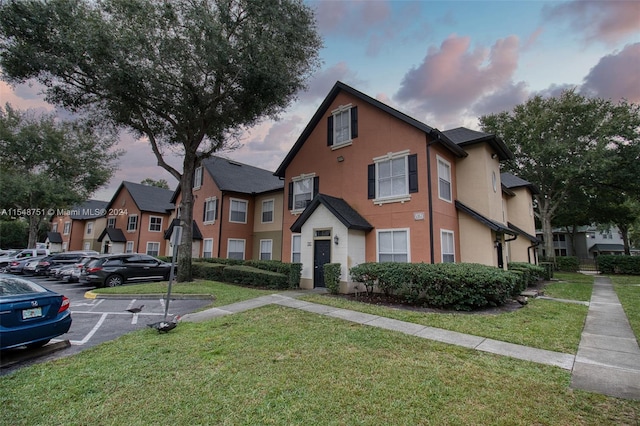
column 292, row 245
column 198, row 177
column 400, row 198
column 448, row 164
column 273, row 210
column 155, row 217
column 215, row 209
column 246, row 210
column 453, row 242
column 244, row 246
column 153, row 242
column 127, row 249
column 303, row 176
column 270, row 241
column 204, row 245
column 407, row 230
column 128, row 221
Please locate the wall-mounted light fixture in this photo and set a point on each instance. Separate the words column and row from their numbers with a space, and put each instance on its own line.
column 494, row 155
column 340, row 159
column 336, row 240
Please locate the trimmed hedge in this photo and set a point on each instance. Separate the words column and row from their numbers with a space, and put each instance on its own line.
column 248, row 275
column 461, row 286
column 214, row 269
column 529, row 274
column 568, row 263
column 332, row 277
column 610, row 264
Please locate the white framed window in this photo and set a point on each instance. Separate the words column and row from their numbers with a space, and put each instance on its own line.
column 393, row 245
column 448, row 248
column 129, row 248
column 86, row 246
column 302, row 193
column 155, row 224
column 392, row 177
column 296, row 246
column 235, row 249
column 444, row 179
column 342, row 126
column 89, row 228
column 210, row 206
column 132, row 222
column 238, row 211
column 64, row 246
column 153, row 249
column 54, row 227
column 266, row 249
column 267, row 211
column 207, row 248
column 67, row 228
column 111, row 222
column 197, row 178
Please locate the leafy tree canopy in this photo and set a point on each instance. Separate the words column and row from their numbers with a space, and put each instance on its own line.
column 189, row 73
column 160, row 183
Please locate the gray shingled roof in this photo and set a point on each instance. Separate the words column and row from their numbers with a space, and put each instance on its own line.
column 233, row 176
column 511, row 181
column 339, row 208
column 115, row 235
column 90, row 209
column 148, row 198
column 491, row 224
column 196, row 234
column 462, row 137
column 54, row 237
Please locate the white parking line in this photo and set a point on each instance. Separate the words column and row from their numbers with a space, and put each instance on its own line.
column 91, row 333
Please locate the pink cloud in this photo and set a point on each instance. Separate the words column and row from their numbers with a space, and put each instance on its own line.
column 616, row 76
column 323, row 80
column 453, row 77
column 608, row 21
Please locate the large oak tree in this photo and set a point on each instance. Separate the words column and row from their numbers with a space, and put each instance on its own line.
column 181, row 73
column 570, row 146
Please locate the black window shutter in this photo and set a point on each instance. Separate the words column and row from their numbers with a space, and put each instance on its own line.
column 330, row 130
column 215, row 209
column 204, row 211
column 290, row 202
column 371, row 181
column 316, row 185
column 413, row 173
column 354, row 122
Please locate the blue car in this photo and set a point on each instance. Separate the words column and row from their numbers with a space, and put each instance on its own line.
column 30, row 315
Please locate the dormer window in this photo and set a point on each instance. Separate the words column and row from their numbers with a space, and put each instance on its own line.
column 342, row 126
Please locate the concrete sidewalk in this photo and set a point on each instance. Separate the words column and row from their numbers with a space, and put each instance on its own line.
column 608, row 359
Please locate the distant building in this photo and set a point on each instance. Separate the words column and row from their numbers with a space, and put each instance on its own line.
column 588, row 242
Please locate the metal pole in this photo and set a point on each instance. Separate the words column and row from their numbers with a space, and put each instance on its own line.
column 177, row 235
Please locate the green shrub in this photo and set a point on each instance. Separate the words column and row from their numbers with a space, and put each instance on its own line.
column 219, row 260
column 332, row 277
column 207, row 271
column 530, row 275
column 610, row 264
column 447, row 285
column 567, row 263
column 248, row 275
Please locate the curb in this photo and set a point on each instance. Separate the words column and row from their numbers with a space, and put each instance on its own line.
column 93, row 295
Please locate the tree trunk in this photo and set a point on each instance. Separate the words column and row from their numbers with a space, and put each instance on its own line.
column 186, row 219
column 624, row 231
column 547, row 230
column 34, row 224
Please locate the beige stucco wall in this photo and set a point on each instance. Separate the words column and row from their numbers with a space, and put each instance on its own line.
column 520, row 213
column 476, row 242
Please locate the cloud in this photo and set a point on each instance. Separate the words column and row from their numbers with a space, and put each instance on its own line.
column 616, row 76
column 607, row 21
column 323, row 80
column 453, row 77
column 280, row 135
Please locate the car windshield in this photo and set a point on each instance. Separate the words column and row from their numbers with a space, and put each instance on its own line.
column 94, row 262
column 11, row 286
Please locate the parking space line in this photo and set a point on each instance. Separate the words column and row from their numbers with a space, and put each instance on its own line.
column 91, row 333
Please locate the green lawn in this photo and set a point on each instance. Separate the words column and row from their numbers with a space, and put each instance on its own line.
column 571, row 286
column 275, row 365
column 628, row 290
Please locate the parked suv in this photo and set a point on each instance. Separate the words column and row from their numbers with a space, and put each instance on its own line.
column 66, row 258
column 111, row 270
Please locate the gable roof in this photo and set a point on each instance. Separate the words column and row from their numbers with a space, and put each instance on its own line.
column 491, row 224
column 147, row 198
column 115, row 235
column 54, row 237
column 233, row 176
column 341, row 87
column 90, row 209
column 510, row 181
column 465, row 137
column 350, row 218
column 196, row 234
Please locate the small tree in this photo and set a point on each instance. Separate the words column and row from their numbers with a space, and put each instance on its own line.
column 160, row 183
column 48, row 164
column 181, row 73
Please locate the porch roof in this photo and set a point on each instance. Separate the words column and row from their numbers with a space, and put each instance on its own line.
column 530, row 237
column 115, row 235
column 491, row 224
column 350, row 218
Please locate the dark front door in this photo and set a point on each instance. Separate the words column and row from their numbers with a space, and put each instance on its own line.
column 321, row 255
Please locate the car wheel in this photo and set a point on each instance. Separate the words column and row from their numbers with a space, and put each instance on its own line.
column 113, row 280
column 39, row 344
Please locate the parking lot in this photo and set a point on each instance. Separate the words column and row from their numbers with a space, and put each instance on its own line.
column 96, row 321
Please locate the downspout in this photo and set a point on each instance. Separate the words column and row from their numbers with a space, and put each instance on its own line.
column 430, row 197
column 515, row 237
column 221, row 211
column 139, row 232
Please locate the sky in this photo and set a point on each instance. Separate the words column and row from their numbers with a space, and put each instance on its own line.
column 445, row 63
